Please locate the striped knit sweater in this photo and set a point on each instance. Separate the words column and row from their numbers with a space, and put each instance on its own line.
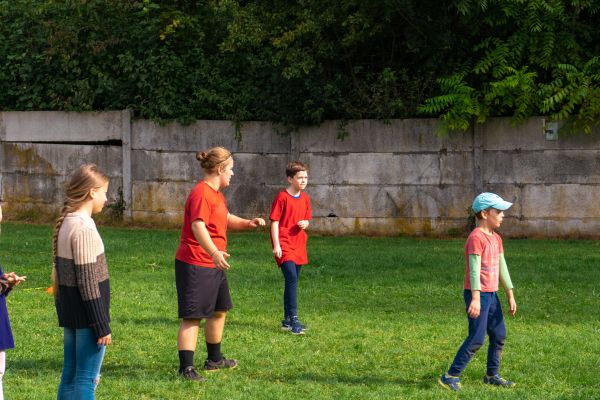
column 83, row 296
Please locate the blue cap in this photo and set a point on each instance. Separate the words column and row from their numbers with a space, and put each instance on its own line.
column 489, row 200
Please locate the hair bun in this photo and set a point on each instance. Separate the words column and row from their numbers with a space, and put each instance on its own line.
column 201, row 155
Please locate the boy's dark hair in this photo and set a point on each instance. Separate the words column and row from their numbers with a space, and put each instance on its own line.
column 294, row 167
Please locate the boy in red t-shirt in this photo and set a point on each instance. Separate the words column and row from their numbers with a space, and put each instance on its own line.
column 485, row 267
column 290, row 216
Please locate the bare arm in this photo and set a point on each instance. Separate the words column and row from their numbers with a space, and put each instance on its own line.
column 275, row 238
column 237, row 224
column 203, row 237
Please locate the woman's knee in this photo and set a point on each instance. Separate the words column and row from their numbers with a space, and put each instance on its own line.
column 189, row 322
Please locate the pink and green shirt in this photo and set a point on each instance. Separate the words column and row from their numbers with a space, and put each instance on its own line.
column 489, row 248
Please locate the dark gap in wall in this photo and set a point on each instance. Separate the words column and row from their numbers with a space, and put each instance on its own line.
column 114, row 142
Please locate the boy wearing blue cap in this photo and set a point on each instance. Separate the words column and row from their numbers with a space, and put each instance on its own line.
column 485, row 268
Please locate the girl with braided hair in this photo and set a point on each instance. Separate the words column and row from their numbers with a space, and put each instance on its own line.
column 80, row 284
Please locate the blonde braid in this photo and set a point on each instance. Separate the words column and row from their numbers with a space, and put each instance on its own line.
column 67, row 208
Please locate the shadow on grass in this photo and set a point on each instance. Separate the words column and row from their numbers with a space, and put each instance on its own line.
column 45, row 366
column 422, row 382
column 36, row 365
column 261, row 326
column 148, row 321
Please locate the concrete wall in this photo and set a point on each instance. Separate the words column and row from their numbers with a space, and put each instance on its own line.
column 396, row 178
column 38, row 151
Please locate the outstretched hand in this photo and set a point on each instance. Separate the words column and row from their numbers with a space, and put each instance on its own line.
column 256, row 222
column 14, row 279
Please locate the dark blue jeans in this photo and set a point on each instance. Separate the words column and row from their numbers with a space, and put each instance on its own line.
column 291, row 274
column 82, row 361
column 490, row 321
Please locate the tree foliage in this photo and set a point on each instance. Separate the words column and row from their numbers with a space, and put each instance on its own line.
column 304, row 61
column 540, row 57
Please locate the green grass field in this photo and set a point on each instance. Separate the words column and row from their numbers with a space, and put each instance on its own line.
column 386, row 316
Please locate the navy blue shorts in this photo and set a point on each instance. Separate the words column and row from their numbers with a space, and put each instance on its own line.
column 201, row 291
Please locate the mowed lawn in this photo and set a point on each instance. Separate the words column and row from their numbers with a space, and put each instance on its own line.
column 386, row 316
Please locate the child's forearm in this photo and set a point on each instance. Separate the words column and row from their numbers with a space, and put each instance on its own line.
column 504, row 275
column 275, row 233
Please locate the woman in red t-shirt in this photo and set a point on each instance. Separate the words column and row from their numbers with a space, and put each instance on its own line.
column 201, row 262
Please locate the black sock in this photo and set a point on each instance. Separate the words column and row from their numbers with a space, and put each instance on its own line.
column 214, row 351
column 186, row 359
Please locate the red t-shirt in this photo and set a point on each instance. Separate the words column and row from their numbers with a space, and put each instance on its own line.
column 208, row 205
column 288, row 210
column 489, row 248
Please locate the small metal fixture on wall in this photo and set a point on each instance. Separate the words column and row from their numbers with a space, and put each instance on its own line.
column 551, row 130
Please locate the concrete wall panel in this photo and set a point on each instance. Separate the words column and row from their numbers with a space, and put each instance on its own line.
column 542, row 167
column 42, row 192
column 160, row 196
column 179, row 166
column 257, row 137
column 561, row 201
column 388, row 168
column 377, row 201
column 59, row 159
column 552, row 228
column 502, row 134
column 49, row 126
column 371, row 136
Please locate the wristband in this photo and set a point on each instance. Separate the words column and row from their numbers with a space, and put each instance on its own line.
column 211, row 254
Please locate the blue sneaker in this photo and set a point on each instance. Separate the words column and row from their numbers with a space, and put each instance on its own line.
column 497, row 380
column 450, row 382
column 297, row 327
column 288, row 323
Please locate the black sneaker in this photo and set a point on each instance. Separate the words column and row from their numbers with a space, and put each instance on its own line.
column 190, row 374
column 497, row 380
column 224, row 363
column 286, row 324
